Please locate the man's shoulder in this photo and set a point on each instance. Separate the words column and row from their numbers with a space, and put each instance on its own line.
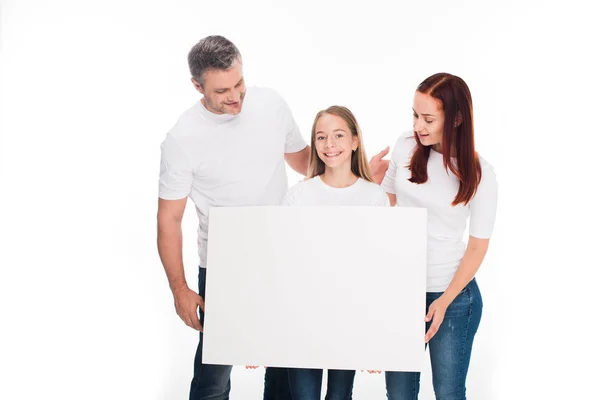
column 264, row 95
column 189, row 123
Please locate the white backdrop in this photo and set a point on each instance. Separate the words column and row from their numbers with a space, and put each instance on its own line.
column 89, row 89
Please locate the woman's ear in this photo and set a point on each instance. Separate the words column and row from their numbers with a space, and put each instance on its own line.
column 458, row 120
column 354, row 143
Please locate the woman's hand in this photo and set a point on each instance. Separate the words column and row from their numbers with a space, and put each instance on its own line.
column 379, row 166
column 437, row 311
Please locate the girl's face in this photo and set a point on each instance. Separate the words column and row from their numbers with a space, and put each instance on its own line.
column 334, row 141
column 428, row 120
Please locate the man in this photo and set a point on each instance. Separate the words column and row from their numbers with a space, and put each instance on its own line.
column 228, row 149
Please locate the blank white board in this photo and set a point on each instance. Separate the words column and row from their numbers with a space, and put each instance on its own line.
column 316, row 287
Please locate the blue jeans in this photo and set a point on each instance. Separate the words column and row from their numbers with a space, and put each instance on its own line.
column 305, row 384
column 449, row 350
column 213, row 381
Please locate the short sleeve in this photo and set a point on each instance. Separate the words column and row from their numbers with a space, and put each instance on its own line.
column 176, row 174
column 483, row 205
column 294, row 142
column 292, row 195
column 398, row 156
column 381, row 199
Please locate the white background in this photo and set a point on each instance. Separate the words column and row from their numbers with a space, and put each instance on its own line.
column 89, row 90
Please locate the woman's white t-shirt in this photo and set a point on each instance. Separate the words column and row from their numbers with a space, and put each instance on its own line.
column 445, row 223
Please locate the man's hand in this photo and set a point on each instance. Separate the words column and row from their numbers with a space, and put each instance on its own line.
column 186, row 304
column 379, row 166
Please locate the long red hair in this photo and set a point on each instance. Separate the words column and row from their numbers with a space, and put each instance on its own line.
column 455, row 97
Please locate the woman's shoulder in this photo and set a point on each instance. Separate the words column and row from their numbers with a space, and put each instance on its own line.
column 489, row 183
column 404, row 144
column 485, row 164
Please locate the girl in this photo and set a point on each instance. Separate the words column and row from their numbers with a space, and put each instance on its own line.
column 338, row 175
column 436, row 167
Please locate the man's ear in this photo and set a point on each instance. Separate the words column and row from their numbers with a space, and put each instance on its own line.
column 197, row 85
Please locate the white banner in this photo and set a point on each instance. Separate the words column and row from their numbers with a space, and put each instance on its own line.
column 316, row 287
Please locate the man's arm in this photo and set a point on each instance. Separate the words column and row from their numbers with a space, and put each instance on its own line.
column 169, row 241
column 298, row 161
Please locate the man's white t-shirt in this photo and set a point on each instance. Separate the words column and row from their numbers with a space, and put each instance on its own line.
column 315, row 192
column 222, row 160
column 445, row 223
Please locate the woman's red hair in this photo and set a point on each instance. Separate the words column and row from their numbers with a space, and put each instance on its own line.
column 458, row 136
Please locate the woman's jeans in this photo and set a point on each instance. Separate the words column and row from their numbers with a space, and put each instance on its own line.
column 305, row 384
column 449, row 350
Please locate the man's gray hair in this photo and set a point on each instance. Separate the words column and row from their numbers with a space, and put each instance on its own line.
column 212, row 52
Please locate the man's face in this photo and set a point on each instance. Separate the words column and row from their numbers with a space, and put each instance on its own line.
column 223, row 90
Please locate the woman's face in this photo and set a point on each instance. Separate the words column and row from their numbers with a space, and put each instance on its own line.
column 334, row 141
column 428, row 120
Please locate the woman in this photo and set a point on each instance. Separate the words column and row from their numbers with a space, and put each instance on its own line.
column 436, row 167
column 338, row 175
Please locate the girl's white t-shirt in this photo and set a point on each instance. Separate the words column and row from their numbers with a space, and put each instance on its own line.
column 314, row 192
column 445, row 223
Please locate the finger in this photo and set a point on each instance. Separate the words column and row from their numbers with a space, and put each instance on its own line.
column 430, row 314
column 382, row 153
column 430, row 333
column 195, row 321
column 433, row 329
column 200, row 302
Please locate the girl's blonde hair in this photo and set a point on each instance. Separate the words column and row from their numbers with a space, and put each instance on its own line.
column 359, row 164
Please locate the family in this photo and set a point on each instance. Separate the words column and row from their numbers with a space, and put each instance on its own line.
column 230, row 149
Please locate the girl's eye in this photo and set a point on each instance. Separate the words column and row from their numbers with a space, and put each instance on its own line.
column 320, row 138
column 428, row 121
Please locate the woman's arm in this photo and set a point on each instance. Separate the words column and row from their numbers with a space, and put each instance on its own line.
column 476, row 250
column 474, row 255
